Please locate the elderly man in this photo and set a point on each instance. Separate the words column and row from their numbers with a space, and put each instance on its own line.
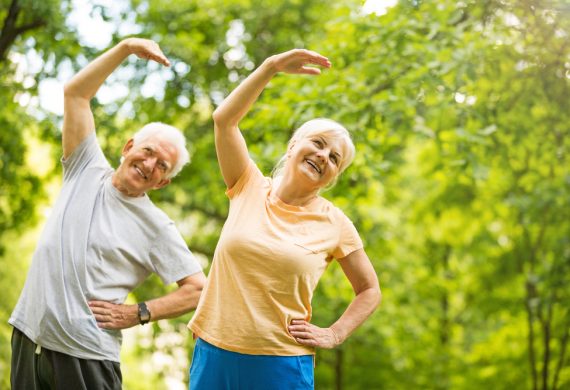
column 103, row 238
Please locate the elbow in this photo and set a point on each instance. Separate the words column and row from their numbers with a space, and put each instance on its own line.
column 200, row 286
column 377, row 297
column 69, row 89
column 197, row 288
column 216, row 115
column 70, row 92
column 73, row 92
column 191, row 291
column 220, row 120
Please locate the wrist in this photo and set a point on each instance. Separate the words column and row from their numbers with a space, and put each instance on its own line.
column 268, row 66
column 144, row 314
column 126, row 46
column 337, row 339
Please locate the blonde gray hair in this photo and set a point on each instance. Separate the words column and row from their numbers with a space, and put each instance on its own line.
column 325, row 127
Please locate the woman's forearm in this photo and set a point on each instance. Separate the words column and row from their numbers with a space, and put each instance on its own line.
column 238, row 103
column 361, row 307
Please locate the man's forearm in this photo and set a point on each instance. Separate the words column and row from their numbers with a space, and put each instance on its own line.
column 176, row 303
column 118, row 316
column 87, row 82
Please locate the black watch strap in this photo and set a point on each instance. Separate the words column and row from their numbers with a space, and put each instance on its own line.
column 144, row 313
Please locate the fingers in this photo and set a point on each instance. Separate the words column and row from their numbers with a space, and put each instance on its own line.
column 159, row 57
column 155, row 55
column 98, row 303
column 301, row 61
column 312, row 57
column 148, row 50
column 104, row 315
column 315, row 58
column 307, row 342
column 308, row 334
column 101, row 313
column 301, row 329
column 309, row 70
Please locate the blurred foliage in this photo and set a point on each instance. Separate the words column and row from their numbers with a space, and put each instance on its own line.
column 460, row 187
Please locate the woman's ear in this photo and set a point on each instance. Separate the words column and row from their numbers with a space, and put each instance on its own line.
column 290, row 147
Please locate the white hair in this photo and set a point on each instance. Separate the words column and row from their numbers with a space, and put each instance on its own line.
column 325, row 127
column 170, row 134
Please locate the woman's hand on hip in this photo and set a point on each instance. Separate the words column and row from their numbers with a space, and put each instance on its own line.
column 311, row 335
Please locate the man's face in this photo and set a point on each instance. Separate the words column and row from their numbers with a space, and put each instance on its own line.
column 146, row 165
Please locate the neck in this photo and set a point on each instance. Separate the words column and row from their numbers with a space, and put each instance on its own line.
column 293, row 194
column 116, row 181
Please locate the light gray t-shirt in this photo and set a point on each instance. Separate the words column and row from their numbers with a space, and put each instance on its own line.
column 98, row 244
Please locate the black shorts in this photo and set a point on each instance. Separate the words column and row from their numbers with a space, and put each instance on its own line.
column 35, row 367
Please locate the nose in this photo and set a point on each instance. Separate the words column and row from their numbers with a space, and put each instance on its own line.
column 322, row 155
column 149, row 162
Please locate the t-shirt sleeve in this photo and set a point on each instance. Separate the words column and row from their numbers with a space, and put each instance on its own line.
column 349, row 239
column 87, row 153
column 171, row 258
column 250, row 177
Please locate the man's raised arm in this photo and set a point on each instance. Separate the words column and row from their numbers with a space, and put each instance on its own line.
column 78, row 120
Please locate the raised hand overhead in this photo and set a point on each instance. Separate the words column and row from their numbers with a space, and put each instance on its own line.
column 147, row 50
column 230, row 144
column 296, row 61
column 78, row 121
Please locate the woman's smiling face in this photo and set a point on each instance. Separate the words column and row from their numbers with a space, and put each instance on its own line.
column 316, row 158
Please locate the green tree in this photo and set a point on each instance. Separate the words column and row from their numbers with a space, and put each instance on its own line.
column 460, row 187
column 28, row 29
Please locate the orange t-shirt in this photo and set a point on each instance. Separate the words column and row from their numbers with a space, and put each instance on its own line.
column 267, row 263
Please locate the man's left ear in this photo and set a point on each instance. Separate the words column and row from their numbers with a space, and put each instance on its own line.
column 161, row 184
column 128, row 146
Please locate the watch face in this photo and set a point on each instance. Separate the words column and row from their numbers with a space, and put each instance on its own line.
column 144, row 313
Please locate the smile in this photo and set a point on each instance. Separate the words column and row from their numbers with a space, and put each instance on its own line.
column 140, row 172
column 315, row 166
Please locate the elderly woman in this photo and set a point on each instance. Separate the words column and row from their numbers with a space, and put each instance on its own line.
column 253, row 320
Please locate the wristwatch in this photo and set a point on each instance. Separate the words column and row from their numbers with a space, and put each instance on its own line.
column 144, row 313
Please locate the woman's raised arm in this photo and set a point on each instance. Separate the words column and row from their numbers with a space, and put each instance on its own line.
column 230, row 144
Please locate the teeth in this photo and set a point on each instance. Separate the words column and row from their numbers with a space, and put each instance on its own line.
column 314, row 165
column 140, row 172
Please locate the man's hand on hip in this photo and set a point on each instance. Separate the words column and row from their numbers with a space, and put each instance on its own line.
column 114, row 316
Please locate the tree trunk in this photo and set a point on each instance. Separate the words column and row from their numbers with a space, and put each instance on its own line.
column 10, row 31
column 546, row 328
column 531, row 352
column 338, row 368
column 562, row 357
column 444, row 329
column 8, row 34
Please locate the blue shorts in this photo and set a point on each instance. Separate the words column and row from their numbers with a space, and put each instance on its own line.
column 216, row 369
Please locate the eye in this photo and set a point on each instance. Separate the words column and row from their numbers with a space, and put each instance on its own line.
column 318, row 143
column 162, row 166
column 334, row 159
column 147, row 150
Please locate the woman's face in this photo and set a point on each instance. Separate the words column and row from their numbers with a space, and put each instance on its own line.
column 316, row 159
